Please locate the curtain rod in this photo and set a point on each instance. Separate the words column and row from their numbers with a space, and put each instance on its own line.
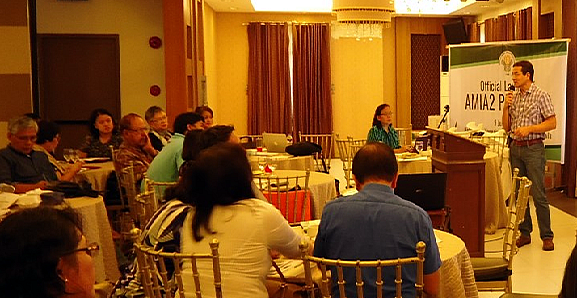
column 283, row 23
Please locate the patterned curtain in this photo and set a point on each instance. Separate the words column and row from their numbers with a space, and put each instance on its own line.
column 268, row 79
column 425, row 84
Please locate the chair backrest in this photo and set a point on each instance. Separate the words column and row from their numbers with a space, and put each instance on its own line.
column 347, row 149
column 126, row 185
column 378, row 265
column 153, row 264
column 250, row 141
column 122, row 195
column 516, row 214
column 145, row 206
column 323, row 158
column 405, row 135
column 290, row 195
column 495, row 142
column 159, row 188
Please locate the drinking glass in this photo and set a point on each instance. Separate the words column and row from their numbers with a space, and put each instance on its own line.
column 67, row 154
column 261, row 164
column 272, row 165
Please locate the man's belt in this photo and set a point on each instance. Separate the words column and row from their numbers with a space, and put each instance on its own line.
column 527, row 142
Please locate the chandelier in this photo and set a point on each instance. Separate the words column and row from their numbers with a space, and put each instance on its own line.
column 361, row 19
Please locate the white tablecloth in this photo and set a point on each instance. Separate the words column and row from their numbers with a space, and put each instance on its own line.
column 96, row 228
column 284, row 161
column 97, row 176
column 321, row 185
column 457, row 276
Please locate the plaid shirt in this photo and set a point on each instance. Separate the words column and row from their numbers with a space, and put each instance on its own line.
column 139, row 158
column 390, row 138
column 530, row 109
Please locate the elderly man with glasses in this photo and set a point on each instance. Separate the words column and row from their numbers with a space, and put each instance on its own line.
column 20, row 165
column 136, row 149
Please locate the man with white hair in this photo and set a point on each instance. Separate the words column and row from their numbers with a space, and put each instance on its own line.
column 20, row 165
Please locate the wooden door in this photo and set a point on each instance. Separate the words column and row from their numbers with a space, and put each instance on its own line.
column 77, row 73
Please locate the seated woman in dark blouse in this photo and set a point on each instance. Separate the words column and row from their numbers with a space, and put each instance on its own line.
column 103, row 133
column 383, row 131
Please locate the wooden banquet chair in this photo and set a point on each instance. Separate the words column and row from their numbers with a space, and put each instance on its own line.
column 405, row 135
column 146, row 204
column 494, row 273
column 158, row 282
column 347, row 149
column 249, row 141
column 358, row 266
column 495, row 142
column 159, row 188
column 291, row 195
column 323, row 158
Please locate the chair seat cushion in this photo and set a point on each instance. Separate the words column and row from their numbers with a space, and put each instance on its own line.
column 490, row 269
column 527, row 295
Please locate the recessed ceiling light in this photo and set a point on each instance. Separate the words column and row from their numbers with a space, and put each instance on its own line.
column 293, row 5
column 233, row 8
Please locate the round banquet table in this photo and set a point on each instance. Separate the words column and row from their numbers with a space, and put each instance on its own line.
column 418, row 165
column 284, row 161
column 457, row 279
column 96, row 174
column 96, row 228
column 321, row 185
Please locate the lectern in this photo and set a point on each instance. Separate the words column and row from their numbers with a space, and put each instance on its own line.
column 462, row 160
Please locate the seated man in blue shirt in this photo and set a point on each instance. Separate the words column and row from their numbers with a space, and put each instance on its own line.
column 20, row 165
column 376, row 224
column 164, row 167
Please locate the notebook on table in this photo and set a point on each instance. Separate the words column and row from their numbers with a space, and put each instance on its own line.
column 274, row 142
column 425, row 190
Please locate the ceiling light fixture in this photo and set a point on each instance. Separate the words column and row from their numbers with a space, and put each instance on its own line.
column 361, row 18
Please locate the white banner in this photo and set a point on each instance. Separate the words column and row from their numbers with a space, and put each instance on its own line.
column 479, row 75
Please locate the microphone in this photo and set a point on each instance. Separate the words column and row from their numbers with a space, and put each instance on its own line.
column 511, row 88
column 446, row 109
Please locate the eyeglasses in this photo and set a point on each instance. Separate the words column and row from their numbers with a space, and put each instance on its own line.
column 92, row 250
column 387, row 114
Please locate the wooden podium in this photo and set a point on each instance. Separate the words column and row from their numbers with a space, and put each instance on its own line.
column 462, row 160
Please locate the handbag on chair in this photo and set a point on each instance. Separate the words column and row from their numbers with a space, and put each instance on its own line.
column 283, row 289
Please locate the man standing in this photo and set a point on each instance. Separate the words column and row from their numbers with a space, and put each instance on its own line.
column 159, row 134
column 20, row 165
column 376, row 224
column 136, row 149
column 527, row 115
column 164, row 167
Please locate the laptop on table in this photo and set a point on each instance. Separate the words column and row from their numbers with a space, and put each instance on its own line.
column 425, row 190
column 274, row 142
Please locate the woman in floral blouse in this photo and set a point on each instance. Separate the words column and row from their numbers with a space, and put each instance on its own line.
column 103, row 134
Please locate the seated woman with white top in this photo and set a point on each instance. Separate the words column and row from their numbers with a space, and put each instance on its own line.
column 218, row 186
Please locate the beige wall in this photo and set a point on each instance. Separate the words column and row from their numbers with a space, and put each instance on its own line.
column 357, row 73
column 135, row 21
column 554, row 6
column 15, row 63
column 210, row 59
